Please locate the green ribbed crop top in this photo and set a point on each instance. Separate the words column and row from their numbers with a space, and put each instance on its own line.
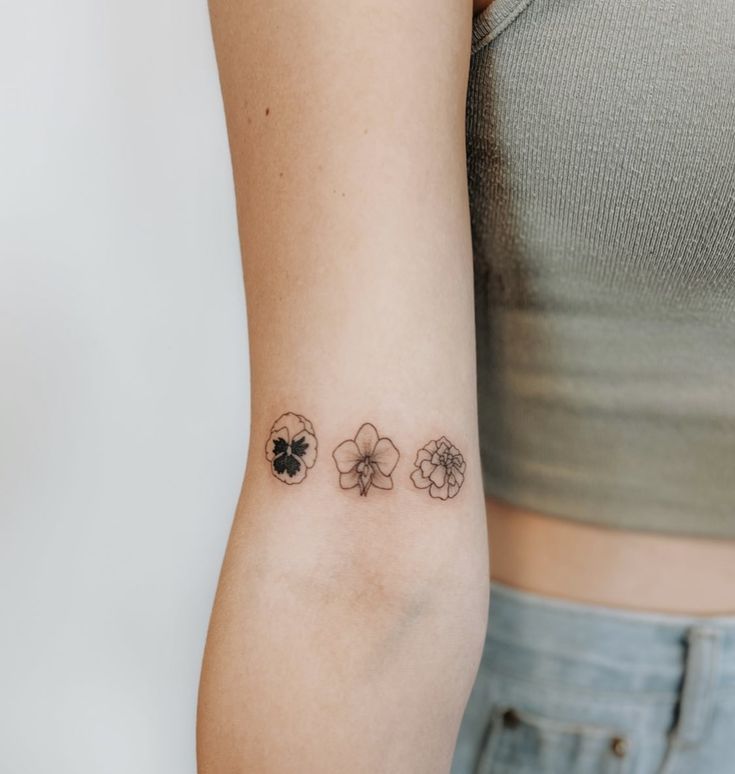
column 601, row 171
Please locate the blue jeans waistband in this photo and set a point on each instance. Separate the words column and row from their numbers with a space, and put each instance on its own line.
column 625, row 651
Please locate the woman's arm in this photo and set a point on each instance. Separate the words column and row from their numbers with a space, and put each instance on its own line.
column 350, row 613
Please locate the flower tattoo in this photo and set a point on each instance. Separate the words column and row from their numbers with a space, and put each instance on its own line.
column 367, row 460
column 291, row 448
column 439, row 468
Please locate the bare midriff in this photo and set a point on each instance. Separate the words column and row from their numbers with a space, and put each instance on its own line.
column 620, row 568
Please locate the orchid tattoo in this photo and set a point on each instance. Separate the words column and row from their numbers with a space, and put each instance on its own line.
column 291, row 448
column 365, row 461
column 439, row 467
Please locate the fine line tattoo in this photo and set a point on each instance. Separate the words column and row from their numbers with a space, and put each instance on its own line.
column 439, row 467
column 366, row 460
column 291, row 448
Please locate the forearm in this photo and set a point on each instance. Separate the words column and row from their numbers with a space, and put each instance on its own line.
column 346, row 634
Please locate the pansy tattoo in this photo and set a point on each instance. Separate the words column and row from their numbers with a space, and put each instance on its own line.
column 439, row 468
column 291, row 448
column 365, row 461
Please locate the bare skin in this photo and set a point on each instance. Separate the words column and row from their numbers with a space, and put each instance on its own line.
column 618, row 568
column 351, row 609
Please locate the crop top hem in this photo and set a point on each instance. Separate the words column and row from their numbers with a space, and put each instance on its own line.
column 660, row 519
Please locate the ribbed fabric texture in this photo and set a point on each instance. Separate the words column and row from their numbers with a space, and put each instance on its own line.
column 601, row 170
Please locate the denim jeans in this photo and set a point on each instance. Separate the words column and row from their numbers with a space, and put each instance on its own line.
column 569, row 688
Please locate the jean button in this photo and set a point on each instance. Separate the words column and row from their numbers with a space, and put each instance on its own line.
column 619, row 746
column 511, row 719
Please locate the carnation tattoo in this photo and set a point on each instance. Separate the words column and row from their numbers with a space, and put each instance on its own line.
column 291, row 448
column 439, row 467
column 365, row 461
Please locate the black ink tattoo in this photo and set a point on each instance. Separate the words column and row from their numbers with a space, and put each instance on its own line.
column 365, row 461
column 291, row 448
column 439, row 468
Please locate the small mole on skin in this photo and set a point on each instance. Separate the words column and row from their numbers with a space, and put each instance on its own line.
column 267, row 110
column 280, row 174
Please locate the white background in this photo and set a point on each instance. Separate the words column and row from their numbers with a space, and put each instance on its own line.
column 124, row 398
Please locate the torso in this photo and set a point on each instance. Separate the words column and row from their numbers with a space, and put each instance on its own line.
column 613, row 567
column 618, row 568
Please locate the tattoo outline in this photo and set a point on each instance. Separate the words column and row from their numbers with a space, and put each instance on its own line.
column 291, row 448
column 366, row 460
column 440, row 468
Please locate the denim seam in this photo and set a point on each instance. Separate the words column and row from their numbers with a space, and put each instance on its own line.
column 631, row 697
column 707, row 691
column 570, row 727
column 588, row 659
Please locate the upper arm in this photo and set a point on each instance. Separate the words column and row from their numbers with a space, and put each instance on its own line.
column 346, row 126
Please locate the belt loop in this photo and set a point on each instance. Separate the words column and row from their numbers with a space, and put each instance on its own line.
column 700, row 678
